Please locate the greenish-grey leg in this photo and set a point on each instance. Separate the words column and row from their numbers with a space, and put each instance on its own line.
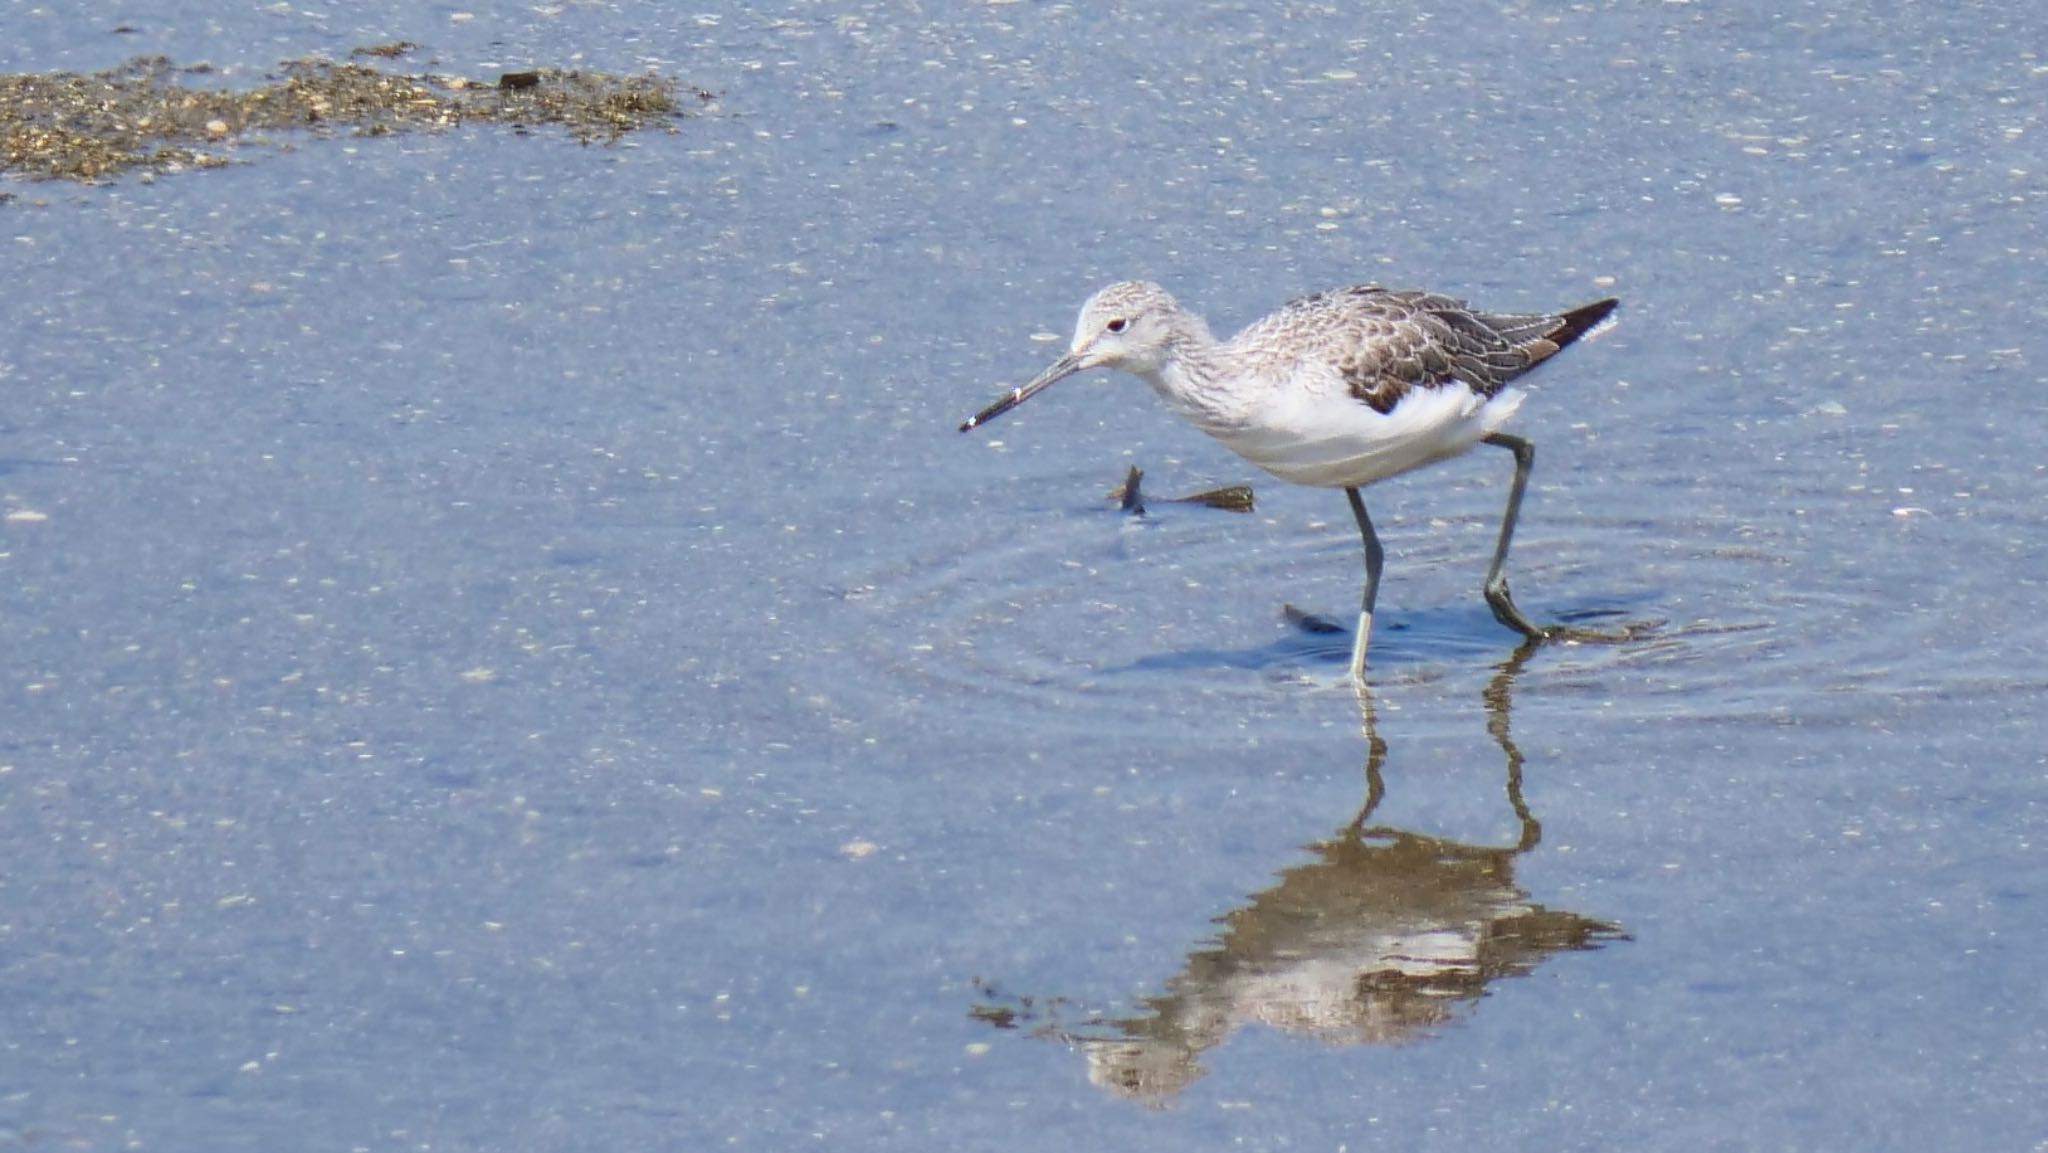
column 1375, row 558
column 1497, row 595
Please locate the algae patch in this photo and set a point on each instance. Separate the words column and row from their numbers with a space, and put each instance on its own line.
column 147, row 113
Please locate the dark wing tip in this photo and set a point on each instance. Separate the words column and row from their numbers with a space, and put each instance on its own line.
column 1582, row 320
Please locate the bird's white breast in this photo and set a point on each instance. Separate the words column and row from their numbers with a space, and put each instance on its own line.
column 1329, row 438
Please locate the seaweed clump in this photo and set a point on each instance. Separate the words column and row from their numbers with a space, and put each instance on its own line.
column 88, row 127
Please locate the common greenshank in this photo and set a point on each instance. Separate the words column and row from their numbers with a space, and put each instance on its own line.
column 1338, row 390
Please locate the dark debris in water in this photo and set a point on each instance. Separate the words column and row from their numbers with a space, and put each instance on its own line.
column 1130, row 494
column 144, row 114
column 1315, row 624
column 1231, row 498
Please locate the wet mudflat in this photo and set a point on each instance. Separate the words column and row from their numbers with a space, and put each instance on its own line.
column 502, row 646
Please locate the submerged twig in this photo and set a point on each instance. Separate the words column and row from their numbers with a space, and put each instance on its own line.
column 1230, row 498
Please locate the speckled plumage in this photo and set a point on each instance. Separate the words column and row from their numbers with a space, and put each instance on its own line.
column 1338, row 389
column 1386, row 341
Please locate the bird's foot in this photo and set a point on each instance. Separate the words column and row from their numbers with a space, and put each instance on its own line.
column 1506, row 613
column 1621, row 633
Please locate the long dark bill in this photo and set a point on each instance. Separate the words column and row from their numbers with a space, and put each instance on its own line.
column 1062, row 368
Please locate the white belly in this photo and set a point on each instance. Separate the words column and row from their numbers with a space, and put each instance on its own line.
column 1333, row 440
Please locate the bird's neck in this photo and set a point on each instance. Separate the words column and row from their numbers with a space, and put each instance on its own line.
column 1190, row 378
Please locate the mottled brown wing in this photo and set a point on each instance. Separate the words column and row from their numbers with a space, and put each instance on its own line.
column 1400, row 341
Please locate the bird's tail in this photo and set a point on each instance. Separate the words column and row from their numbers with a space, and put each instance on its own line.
column 1579, row 321
column 1544, row 334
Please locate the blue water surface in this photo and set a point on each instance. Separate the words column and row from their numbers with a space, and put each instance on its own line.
column 502, row 645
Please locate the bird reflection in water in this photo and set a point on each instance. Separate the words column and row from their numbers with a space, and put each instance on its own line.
column 1383, row 937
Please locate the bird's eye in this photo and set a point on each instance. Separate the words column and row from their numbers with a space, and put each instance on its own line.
column 1117, row 324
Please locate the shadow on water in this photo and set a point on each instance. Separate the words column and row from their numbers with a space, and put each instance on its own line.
column 1440, row 633
column 1383, row 937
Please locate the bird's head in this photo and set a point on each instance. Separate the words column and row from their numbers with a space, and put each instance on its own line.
column 1131, row 325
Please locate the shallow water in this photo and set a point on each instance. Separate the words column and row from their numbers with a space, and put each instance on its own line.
column 504, row 647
